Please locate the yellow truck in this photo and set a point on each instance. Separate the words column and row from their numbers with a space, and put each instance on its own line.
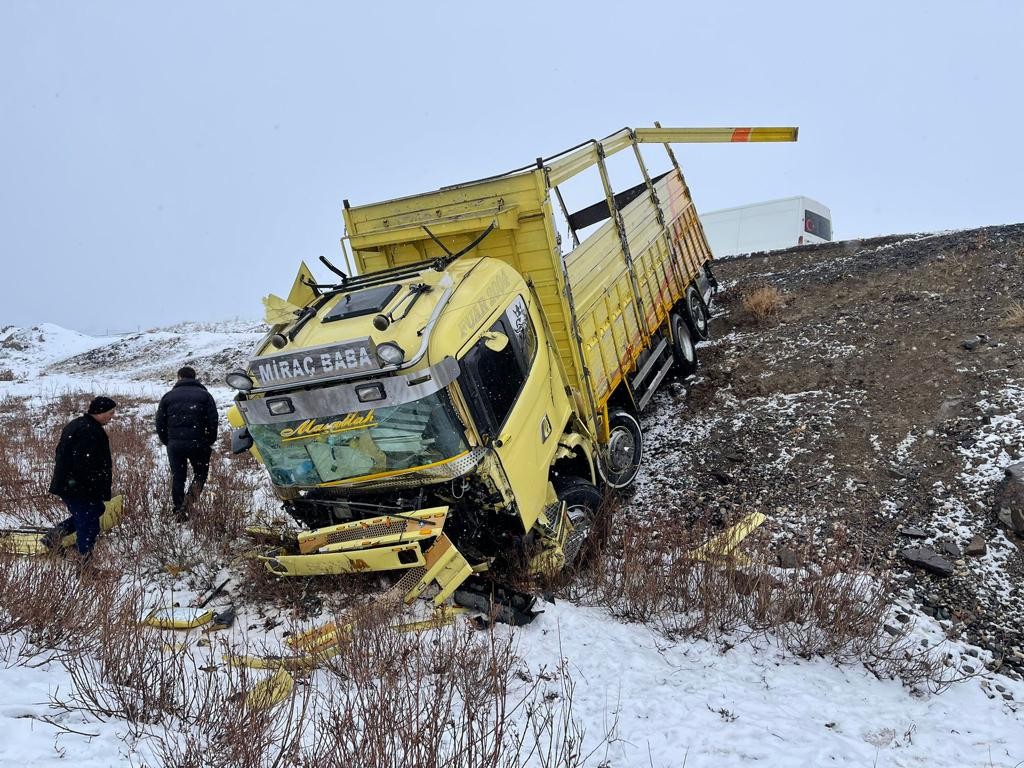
column 460, row 404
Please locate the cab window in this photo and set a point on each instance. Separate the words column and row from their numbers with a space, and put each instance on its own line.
column 494, row 379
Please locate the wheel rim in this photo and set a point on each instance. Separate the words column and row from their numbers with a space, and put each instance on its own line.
column 621, row 450
column 582, row 519
column 697, row 315
column 685, row 342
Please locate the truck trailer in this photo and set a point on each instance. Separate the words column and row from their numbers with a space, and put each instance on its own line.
column 460, row 404
column 767, row 226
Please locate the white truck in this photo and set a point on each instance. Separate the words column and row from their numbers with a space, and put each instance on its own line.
column 767, row 226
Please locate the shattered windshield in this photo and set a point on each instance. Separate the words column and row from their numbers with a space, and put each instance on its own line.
column 314, row 450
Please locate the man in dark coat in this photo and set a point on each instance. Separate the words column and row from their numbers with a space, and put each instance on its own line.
column 186, row 422
column 83, row 472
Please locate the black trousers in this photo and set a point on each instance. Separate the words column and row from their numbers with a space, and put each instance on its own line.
column 180, row 455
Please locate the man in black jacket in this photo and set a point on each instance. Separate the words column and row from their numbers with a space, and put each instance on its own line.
column 83, row 471
column 186, row 422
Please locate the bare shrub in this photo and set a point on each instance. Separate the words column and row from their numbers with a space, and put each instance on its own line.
column 762, row 304
column 450, row 697
column 220, row 515
column 456, row 698
column 233, row 732
column 46, row 605
column 6, row 374
column 829, row 607
column 27, row 447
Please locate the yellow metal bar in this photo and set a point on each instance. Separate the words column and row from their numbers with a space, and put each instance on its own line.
column 568, row 166
column 290, row 663
column 270, row 692
column 442, row 617
column 379, row 541
column 326, row 635
column 579, row 160
column 722, row 546
column 178, row 618
column 713, row 135
column 617, row 141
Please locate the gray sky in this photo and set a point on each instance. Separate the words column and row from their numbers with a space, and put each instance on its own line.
column 169, row 162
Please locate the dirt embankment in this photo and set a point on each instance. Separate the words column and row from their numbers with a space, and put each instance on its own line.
column 886, row 395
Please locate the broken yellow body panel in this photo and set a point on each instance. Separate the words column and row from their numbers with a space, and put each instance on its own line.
column 386, row 543
column 724, row 546
column 375, row 531
column 31, row 542
column 178, row 618
column 358, row 561
column 268, row 693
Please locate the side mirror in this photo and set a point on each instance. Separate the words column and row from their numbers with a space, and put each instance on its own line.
column 495, row 341
column 241, row 440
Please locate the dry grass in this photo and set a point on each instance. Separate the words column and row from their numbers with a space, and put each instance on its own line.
column 1014, row 316
column 762, row 304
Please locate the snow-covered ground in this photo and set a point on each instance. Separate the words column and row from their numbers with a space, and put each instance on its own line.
column 643, row 700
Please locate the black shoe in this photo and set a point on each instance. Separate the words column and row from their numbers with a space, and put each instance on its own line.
column 55, row 535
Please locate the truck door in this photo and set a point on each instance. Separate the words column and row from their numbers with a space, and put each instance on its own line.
column 509, row 394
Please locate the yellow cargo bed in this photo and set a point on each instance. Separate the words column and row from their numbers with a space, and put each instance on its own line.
column 614, row 289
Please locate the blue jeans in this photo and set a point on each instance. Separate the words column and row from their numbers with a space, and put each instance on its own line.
column 86, row 514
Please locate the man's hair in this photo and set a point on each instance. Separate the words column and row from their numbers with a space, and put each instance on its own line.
column 186, row 372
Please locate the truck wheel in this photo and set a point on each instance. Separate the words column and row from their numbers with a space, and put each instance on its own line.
column 682, row 345
column 582, row 500
column 697, row 313
column 625, row 449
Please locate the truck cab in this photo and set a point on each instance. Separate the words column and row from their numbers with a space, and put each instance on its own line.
column 435, row 387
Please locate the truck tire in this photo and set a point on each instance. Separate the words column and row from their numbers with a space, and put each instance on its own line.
column 682, row 345
column 582, row 501
column 697, row 313
column 625, row 449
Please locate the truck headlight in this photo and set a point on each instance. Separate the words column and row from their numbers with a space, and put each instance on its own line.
column 391, row 353
column 240, row 380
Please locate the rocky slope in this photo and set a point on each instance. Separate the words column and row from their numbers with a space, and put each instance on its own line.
column 883, row 400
